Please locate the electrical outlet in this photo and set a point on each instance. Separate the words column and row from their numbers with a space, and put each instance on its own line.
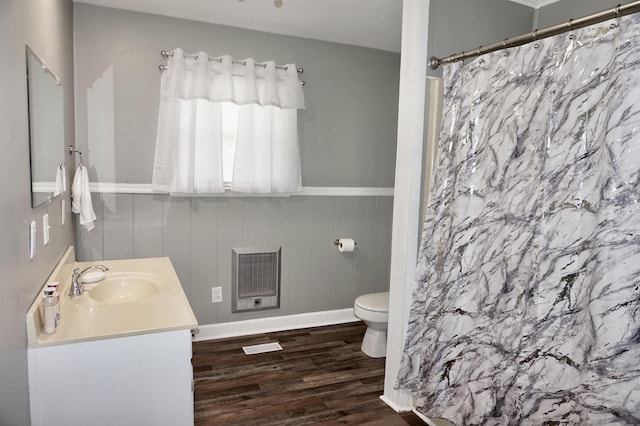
column 216, row 294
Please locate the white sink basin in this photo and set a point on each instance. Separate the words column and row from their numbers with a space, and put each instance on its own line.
column 119, row 288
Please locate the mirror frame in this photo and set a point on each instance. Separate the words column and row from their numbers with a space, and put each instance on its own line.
column 31, row 56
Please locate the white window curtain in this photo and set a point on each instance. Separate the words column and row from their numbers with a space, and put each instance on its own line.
column 188, row 157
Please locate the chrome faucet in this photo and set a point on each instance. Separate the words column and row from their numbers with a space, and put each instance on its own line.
column 76, row 286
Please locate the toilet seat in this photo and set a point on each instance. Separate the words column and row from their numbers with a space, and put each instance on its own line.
column 378, row 302
column 372, row 307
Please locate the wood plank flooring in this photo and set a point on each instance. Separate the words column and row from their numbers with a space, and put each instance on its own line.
column 320, row 378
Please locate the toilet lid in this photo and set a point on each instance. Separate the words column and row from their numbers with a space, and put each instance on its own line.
column 374, row 302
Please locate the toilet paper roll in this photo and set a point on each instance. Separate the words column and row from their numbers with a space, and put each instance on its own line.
column 346, row 245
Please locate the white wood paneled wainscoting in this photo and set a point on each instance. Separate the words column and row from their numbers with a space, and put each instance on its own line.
column 199, row 233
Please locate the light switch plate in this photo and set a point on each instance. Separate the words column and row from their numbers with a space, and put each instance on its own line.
column 33, row 230
column 45, row 229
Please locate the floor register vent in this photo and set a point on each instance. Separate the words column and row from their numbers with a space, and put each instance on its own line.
column 255, row 279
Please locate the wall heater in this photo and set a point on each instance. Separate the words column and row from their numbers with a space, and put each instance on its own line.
column 255, row 279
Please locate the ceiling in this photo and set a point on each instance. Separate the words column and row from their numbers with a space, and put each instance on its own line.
column 368, row 23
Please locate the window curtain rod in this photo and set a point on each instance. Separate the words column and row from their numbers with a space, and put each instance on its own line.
column 572, row 24
column 167, row 54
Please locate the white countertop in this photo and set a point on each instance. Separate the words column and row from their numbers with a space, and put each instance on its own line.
column 85, row 319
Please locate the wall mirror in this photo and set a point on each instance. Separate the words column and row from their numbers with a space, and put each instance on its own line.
column 46, row 131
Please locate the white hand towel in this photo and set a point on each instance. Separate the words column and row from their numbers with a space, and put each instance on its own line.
column 81, row 195
column 61, row 180
column 63, row 172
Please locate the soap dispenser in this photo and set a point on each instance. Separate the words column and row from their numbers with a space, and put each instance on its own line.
column 50, row 308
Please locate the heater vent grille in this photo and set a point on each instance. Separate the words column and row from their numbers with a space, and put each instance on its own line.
column 256, row 279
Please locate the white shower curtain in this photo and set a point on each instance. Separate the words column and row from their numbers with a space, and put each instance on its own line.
column 526, row 306
column 188, row 157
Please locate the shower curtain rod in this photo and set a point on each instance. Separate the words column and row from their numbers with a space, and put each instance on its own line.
column 572, row 24
column 167, row 54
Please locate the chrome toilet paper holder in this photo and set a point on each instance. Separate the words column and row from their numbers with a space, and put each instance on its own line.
column 337, row 242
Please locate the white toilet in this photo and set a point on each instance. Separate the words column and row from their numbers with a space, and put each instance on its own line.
column 373, row 309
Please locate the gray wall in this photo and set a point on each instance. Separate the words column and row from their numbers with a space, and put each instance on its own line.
column 46, row 26
column 347, row 132
column 462, row 25
column 564, row 10
column 347, row 136
column 199, row 233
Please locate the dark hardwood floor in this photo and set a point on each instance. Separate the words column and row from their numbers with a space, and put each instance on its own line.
column 319, row 378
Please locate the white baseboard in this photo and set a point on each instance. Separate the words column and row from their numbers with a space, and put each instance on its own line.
column 405, row 409
column 271, row 324
column 397, row 408
column 432, row 421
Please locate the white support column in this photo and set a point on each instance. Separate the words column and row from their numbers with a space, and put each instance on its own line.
column 408, row 183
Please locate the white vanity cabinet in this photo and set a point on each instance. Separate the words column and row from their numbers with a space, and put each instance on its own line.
column 137, row 380
column 122, row 360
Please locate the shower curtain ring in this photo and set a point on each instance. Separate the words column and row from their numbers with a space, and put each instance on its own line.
column 461, row 57
column 535, row 39
column 618, row 15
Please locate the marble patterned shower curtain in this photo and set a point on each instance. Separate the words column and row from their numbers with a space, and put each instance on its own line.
column 526, row 306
